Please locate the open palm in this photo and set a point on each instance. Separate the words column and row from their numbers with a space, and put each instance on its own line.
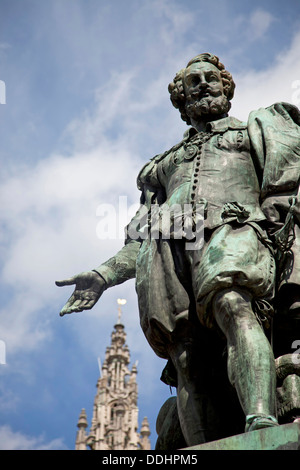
column 89, row 286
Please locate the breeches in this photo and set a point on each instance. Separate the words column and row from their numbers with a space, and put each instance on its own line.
column 176, row 291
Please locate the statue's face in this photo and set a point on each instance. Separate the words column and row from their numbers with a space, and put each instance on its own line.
column 204, row 91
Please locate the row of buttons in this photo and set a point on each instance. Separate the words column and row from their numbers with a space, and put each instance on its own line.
column 196, row 175
column 191, row 151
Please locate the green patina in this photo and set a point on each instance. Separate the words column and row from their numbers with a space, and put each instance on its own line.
column 237, row 185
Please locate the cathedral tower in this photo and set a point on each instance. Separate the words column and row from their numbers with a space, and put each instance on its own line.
column 115, row 414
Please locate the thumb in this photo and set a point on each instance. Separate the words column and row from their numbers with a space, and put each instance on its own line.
column 66, row 282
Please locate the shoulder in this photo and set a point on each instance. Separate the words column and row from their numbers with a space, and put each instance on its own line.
column 279, row 111
column 148, row 173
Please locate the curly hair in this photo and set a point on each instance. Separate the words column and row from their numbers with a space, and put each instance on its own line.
column 176, row 88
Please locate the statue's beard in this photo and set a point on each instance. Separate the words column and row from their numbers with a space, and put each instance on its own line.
column 206, row 106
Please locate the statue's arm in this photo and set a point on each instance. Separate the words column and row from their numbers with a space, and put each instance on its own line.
column 90, row 285
column 275, row 137
column 121, row 267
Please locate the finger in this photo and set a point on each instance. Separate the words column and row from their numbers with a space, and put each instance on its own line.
column 77, row 306
column 77, row 309
column 66, row 282
column 83, row 304
column 67, row 308
column 88, row 304
column 64, row 311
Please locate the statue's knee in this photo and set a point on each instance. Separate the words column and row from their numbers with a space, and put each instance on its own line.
column 229, row 305
column 227, row 300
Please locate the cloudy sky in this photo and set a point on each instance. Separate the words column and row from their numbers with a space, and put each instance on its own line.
column 86, row 105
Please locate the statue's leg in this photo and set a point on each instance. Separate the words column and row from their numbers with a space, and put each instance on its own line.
column 198, row 419
column 251, row 365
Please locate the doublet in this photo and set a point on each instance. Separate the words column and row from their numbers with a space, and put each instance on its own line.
column 214, row 168
column 242, row 174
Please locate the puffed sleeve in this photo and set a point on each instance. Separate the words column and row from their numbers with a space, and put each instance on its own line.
column 275, row 139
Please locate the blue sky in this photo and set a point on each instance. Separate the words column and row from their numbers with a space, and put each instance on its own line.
column 86, row 106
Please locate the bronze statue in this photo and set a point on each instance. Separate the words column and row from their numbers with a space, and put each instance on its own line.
column 213, row 302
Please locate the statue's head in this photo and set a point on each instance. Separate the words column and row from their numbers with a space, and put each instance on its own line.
column 203, row 88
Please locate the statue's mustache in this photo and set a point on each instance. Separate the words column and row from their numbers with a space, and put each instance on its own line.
column 196, row 95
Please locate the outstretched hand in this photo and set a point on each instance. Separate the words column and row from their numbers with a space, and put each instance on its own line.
column 89, row 286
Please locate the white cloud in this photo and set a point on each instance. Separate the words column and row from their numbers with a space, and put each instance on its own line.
column 259, row 23
column 175, row 21
column 278, row 81
column 9, row 401
column 52, row 226
column 12, row 440
column 49, row 215
column 48, row 210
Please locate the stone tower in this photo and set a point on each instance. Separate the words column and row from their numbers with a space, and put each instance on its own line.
column 115, row 415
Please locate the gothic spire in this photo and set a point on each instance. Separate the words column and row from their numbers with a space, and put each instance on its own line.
column 81, row 433
column 115, row 415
